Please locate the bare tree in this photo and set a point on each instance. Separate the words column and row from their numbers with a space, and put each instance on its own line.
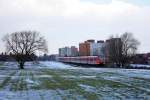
column 121, row 49
column 129, row 47
column 23, row 45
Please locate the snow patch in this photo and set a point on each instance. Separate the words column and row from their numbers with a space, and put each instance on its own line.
column 87, row 88
column 54, row 65
column 140, row 65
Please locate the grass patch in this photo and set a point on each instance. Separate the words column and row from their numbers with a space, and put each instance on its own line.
column 58, row 83
column 19, row 83
column 6, row 80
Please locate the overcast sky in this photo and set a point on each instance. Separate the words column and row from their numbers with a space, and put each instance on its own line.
column 68, row 22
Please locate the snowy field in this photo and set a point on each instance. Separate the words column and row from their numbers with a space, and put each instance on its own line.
column 57, row 81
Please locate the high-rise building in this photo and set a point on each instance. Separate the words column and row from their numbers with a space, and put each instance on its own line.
column 84, row 49
column 96, row 49
column 68, row 52
column 65, row 52
column 116, row 43
column 61, row 52
column 74, row 51
column 91, row 48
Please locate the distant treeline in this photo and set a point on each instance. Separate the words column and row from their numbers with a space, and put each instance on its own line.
column 9, row 57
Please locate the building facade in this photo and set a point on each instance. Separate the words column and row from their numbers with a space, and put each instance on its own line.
column 68, row 52
column 65, row 52
column 91, row 48
column 84, row 49
column 74, row 51
column 112, row 49
column 96, row 49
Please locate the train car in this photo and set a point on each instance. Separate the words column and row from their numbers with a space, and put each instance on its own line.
column 90, row 60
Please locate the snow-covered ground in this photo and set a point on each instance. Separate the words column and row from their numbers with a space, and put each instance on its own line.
column 58, row 81
column 140, row 66
column 54, row 65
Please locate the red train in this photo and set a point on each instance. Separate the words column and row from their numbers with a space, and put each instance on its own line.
column 91, row 60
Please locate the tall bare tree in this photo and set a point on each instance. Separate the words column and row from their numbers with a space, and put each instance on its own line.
column 129, row 47
column 121, row 49
column 23, row 45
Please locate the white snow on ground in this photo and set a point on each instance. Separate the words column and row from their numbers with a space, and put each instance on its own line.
column 32, row 95
column 55, row 65
column 142, row 73
column 139, row 65
column 34, row 74
column 88, row 88
column 29, row 81
column 136, row 73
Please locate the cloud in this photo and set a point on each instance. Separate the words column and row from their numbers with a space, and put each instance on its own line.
column 63, row 8
column 76, row 19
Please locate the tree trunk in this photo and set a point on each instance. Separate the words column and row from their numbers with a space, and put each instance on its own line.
column 21, row 65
